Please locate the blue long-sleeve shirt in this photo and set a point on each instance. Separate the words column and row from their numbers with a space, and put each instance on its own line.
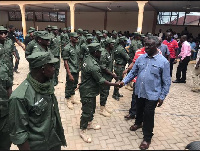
column 153, row 77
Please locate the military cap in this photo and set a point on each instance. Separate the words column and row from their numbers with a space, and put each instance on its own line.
column 114, row 32
column 108, row 41
column 44, row 35
column 89, row 37
column 105, row 31
column 136, row 34
column 64, row 28
column 122, row 38
column 99, row 34
column 68, row 28
column 80, row 31
column 49, row 26
column 94, row 47
column 73, row 34
column 38, row 59
column 30, row 31
column 32, row 28
column 142, row 35
column 54, row 27
column 3, row 28
column 85, row 32
column 35, row 33
column 97, row 31
column 150, row 34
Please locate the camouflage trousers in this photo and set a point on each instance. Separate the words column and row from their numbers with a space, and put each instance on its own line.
column 88, row 110
column 57, row 68
column 71, row 86
column 5, row 142
column 118, row 69
column 104, row 92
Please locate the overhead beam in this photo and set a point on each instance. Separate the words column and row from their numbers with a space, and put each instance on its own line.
column 152, row 6
column 92, row 7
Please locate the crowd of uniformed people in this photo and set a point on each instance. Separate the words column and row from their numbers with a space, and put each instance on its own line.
column 29, row 116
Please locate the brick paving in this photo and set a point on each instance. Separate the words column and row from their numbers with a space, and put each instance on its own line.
column 176, row 121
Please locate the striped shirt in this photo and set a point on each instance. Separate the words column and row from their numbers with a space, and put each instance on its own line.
column 172, row 45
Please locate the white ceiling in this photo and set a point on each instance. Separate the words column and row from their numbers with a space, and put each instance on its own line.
column 114, row 6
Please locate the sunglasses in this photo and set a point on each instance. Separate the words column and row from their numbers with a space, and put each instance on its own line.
column 3, row 32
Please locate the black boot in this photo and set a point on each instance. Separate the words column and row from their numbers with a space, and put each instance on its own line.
column 115, row 94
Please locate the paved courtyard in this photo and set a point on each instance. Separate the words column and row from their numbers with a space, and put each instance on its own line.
column 176, row 121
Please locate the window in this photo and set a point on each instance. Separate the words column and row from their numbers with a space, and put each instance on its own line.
column 61, row 16
column 192, row 18
column 15, row 16
column 178, row 18
column 29, row 16
column 39, row 16
column 53, row 16
column 46, row 16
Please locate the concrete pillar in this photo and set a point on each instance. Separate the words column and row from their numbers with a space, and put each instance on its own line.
column 22, row 8
column 72, row 19
column 140, row 14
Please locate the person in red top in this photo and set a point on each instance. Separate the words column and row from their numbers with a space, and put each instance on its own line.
column 173, row 47
column 132, row 110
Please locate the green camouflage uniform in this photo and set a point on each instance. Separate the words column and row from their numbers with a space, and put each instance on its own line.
column 64, row 41
column 135, row 45
column 121, row 59
column 106, row 62
column 5, row 83
column 132, row 49
column 7, row 49
column 30, row 47
column 91, row 78
column 84, row 51
column 33, row 110
column 55, row 48
column 71, row 54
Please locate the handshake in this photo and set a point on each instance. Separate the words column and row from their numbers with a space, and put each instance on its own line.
column 119, row 84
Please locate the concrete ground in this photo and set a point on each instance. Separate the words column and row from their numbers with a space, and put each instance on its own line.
column 176, row 121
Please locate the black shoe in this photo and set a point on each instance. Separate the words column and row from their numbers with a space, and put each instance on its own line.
column 177, row 81
column 115, row 97
column 183, row 81
column 129, row 116
column 120, row 95
column 16, row 71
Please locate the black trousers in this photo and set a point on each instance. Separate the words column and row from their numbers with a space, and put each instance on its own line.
column 16, row 62
column 145, row 114
column 132, row 110
column 182, row 68
column 171, row 65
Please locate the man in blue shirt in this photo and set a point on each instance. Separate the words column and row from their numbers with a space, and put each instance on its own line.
column 153, row 82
